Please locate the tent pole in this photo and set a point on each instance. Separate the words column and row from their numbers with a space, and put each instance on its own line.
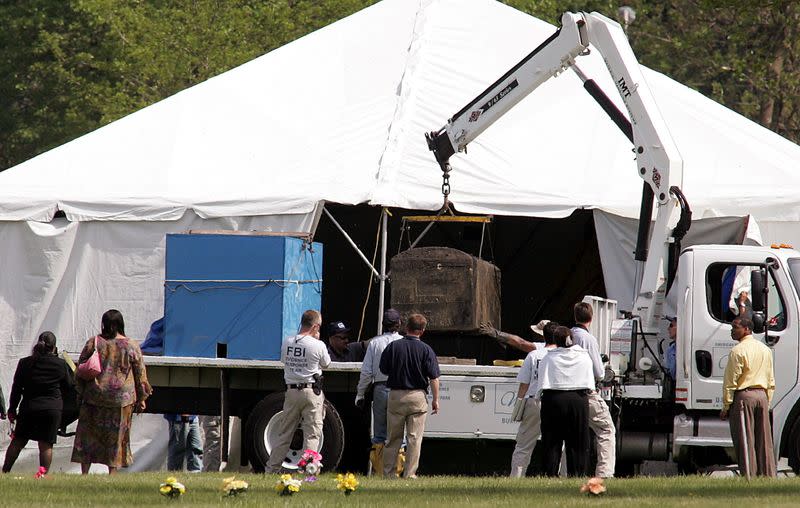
column 351, row 242
column 382, row 276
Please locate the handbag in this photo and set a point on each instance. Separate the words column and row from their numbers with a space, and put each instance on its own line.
column 91, row 368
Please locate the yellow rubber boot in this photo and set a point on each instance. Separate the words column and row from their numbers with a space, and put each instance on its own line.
column 376, row 459
column 400, row 464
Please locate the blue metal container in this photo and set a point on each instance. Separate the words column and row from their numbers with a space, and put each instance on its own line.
column 237, row 296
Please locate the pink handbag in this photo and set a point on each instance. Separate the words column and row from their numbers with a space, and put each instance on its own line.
column 92, row 367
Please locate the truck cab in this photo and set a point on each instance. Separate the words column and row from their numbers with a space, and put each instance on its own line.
column 710, row 280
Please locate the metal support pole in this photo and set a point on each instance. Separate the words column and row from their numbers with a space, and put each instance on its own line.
column 424, row 231
column 352, row 243
column 483, row 234
column 382, row 276
column 224, row 413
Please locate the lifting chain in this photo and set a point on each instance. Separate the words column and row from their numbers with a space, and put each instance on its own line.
column 446, row 187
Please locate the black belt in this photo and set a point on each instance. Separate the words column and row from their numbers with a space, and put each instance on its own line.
column 579, row 391
column 376, row 383
column 301, row 386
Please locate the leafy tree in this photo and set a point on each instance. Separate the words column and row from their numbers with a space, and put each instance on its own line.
column 72, row 66
column 738, row 52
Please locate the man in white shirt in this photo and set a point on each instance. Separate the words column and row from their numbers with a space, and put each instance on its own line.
column 530, row 425
column 565, row 380
column 304, row 356
column 600, row 420
column 371, row 374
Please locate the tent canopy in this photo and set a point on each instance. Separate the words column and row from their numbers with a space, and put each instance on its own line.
column 340, row 114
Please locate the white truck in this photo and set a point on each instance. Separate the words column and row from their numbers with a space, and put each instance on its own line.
column 705, row 279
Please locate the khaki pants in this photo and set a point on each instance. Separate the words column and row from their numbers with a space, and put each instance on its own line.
column 605, row 433
column 407, row 409
column 752, row 433
column 527, row 434
column 298, row 404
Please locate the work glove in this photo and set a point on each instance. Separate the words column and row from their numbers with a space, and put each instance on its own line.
column 486, row 328
column 360, row 402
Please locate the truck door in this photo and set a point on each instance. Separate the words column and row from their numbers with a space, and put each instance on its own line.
column 725, row 289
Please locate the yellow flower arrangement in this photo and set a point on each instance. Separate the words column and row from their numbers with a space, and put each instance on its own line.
column 233, row 487
column 287, row 486
column 172, row 488
column 347, row 483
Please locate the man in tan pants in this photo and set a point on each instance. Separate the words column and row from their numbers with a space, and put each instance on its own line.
column 303, row 356
column 600, row 420
column 410, row 365
column 747, row 392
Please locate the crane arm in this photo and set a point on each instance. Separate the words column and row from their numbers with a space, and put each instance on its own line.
column 658, row 161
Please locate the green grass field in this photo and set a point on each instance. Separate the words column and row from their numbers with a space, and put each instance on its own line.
column 141, row 489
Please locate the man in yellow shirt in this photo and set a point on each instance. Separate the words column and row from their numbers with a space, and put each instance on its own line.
column 747, row 392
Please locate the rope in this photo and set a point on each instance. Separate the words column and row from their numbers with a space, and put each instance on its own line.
column 369, row 287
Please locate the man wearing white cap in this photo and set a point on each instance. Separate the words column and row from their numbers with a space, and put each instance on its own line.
column 529, row 429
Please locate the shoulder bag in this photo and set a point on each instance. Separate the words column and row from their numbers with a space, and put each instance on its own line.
column 92, row 367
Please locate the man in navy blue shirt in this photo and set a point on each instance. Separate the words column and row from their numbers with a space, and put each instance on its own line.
column 411, row 366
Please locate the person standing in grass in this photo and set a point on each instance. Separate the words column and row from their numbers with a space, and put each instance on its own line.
column 410, row 366
column 600, row 420
column 372, row 375
column 107, row 402
column 565, row 381
column 303, row 356
column 747, row 388
column 185, row 445
column 530, row 426
column 40, row 383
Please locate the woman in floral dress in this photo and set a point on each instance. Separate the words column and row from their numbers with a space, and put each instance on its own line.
column 107, row 402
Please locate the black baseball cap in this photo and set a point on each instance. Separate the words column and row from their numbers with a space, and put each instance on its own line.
column 337, row 328
column 391, row 317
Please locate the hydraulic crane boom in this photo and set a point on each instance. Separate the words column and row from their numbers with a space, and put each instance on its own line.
column 658, row 161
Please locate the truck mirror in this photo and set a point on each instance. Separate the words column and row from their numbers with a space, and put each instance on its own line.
column 758, row 321
column 758, row 284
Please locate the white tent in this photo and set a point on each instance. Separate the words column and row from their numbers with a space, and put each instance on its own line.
column 339, row 115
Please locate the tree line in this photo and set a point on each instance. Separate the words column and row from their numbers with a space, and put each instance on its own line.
column 68, row 67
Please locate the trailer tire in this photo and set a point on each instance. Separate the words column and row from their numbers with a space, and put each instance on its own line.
column 261, row 421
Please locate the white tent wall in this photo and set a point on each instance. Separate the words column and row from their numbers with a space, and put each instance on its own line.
column 780, row 232
column 61, row 276
column 616, row 240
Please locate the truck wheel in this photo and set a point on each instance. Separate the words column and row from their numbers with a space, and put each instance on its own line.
column 261, row 434
column 793, row 448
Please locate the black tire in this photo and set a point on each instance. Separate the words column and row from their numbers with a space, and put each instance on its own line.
column 687, row 463
column 257, row 439
column 793, row 447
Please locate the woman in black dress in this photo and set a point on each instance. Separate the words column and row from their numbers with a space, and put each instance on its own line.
column 39, row 382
